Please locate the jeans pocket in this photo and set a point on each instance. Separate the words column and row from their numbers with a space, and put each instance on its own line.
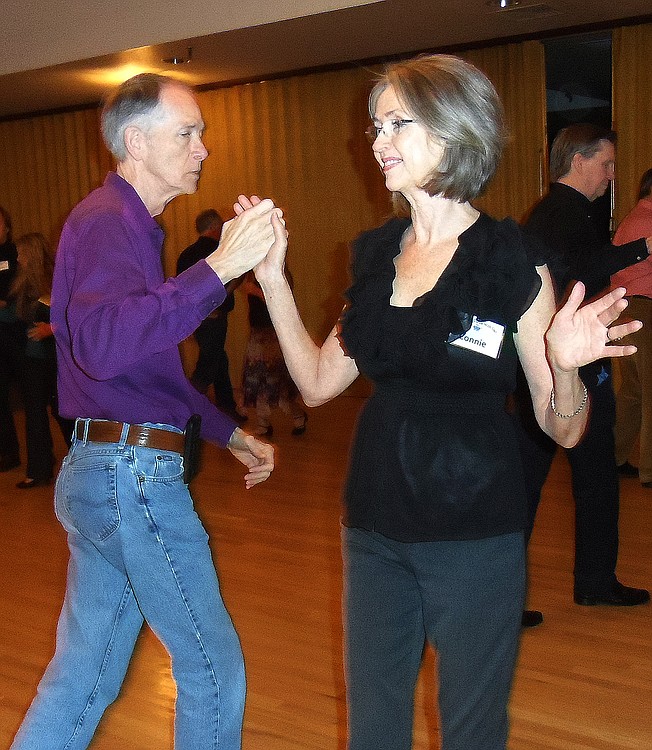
column 160, row 467
column 88, row 495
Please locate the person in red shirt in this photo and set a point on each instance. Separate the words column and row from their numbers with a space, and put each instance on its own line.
column 634, row 397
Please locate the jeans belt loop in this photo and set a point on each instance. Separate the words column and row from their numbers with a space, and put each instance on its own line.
column 84, row 437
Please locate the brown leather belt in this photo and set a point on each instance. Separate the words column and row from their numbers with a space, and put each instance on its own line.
column 144, row 437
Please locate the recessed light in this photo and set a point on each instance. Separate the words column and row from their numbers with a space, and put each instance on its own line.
column 179, row 60
column 503, row 4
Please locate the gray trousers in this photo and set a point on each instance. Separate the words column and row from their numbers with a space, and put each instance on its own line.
column 465, row 598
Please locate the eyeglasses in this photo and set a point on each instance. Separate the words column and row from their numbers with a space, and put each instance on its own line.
column 389, row 129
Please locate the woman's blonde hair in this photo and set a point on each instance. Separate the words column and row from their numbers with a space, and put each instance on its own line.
column 34, row 275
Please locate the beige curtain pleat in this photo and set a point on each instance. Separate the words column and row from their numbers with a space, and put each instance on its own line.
column 518, row 73
column 48, row 164
column 632, row 111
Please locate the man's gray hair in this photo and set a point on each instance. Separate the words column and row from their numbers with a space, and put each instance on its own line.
column 134, row 102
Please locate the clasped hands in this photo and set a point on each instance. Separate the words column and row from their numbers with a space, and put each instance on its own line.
column 580, row 334
column 247, row 239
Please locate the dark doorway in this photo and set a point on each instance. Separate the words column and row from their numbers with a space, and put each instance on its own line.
column 578, row 89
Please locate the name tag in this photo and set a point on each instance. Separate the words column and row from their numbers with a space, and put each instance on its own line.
column 484, row 337
column 4, row 265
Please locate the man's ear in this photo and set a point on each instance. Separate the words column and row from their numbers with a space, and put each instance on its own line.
column 135, row 141
column 577, row 162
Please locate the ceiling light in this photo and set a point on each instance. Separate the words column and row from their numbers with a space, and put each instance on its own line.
column 503, row 4
column 178, row 60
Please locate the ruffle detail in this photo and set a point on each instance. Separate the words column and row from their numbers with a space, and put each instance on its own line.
column 492, row 275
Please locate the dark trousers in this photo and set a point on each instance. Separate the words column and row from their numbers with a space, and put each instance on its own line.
column 595, row 485
column 212, row 366
column 465, row 598
column 12, row 338
column 39, row 388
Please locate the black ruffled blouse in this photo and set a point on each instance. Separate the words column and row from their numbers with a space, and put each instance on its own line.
column 435, row 455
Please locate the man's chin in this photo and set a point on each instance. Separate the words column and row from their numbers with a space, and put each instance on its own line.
column 598, row 194
column 191, row 185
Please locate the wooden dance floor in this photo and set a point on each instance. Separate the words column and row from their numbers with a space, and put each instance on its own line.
column 584, row 679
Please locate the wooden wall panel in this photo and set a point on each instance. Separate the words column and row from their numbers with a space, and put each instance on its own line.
column 632, row 111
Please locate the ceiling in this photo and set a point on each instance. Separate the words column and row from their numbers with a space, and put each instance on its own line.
column 66, row 53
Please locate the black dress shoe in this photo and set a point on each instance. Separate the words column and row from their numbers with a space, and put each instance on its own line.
column 617, row 596
column 627, row 470
column 28, row 484
column 531, row 618
column 9, row 462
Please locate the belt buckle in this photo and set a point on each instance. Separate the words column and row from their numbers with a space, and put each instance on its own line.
column 140, row 435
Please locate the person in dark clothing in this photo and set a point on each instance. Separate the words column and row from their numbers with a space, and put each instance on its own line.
column 212, row 367
column 38, row 364
column 12, row 337
column 581, row 168
column 445, row 300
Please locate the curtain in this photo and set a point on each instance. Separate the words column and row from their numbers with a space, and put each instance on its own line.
column 632, row 111
column 48, row 164
column 518, row 73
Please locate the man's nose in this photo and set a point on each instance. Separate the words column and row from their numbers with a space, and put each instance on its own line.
column 201, row 152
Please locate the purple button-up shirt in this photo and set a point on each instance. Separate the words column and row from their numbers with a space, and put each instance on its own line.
column 118, row 323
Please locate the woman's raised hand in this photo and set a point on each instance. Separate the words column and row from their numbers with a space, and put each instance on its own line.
column 579, row 335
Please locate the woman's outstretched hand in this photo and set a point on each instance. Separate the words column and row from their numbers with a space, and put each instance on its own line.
column 579, row 335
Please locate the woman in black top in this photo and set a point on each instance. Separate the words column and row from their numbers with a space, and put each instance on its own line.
column 444, row 302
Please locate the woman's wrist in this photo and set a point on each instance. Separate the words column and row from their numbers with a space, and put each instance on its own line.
column 569, row 395
column 274, row 283
column 578, row 410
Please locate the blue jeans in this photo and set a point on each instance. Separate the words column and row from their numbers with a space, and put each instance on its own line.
column 463, row 597
column 138, row 552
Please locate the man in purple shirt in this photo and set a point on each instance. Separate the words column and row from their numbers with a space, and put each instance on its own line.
column 138, row 551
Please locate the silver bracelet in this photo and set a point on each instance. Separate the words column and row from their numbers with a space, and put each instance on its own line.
column 576, row 412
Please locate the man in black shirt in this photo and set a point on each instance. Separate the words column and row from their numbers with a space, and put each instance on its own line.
column 212, row 366
column 581, row 169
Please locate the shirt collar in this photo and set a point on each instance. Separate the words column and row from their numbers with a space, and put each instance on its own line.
column 135, row 207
